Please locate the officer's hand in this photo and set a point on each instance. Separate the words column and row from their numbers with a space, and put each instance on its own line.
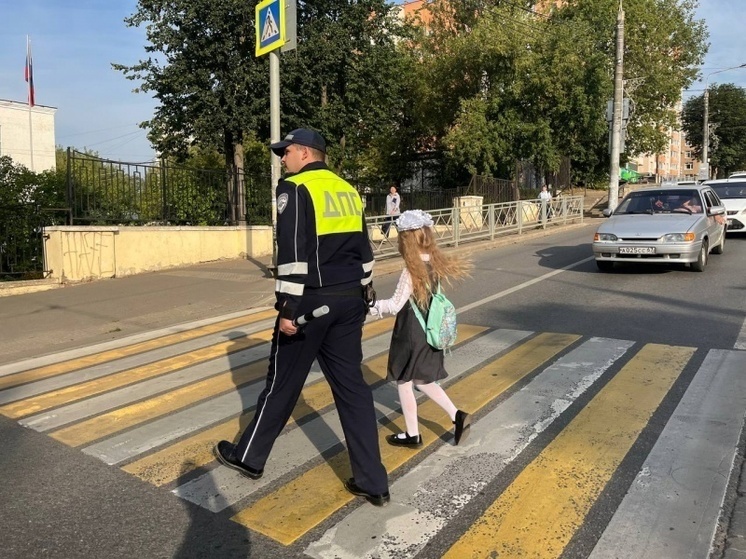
column 287, row 327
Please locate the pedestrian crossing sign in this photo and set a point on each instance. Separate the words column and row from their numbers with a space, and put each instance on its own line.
column 270, row 26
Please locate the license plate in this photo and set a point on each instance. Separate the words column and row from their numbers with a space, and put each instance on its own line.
column 636, row 250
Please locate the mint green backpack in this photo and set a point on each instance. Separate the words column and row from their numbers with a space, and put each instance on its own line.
column 440, row 327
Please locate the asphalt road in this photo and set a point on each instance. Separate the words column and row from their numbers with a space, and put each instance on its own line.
column 590, row 393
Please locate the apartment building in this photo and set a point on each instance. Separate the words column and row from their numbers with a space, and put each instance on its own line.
column 27, row 134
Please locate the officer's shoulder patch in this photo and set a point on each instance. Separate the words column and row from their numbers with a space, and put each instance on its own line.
column 282, row 202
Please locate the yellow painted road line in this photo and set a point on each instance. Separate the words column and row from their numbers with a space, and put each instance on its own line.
column 168, row 464
column 546, row 504
column 295, row 508
column 47, row 371
column 70, row 394
column 129, row 416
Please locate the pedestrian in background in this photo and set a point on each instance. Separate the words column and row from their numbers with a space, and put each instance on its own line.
column 393, row 209
column 412, row 361
column 546, row 202
column 323, row 258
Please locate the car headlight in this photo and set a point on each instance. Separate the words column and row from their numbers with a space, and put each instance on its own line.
column 678, row 238
column 605, row 237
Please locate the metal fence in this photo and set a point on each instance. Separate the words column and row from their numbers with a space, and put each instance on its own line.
column 101, row 191
column 22, row 240
column 463, row 223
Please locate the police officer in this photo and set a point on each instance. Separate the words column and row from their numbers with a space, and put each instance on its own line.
column 323, row 258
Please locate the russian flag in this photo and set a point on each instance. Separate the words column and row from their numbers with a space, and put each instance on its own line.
column 29, row 74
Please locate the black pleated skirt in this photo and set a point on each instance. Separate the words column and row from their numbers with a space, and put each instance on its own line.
column 410, row 356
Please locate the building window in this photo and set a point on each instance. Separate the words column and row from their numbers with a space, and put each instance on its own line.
column 688, row 166
column 688, row 154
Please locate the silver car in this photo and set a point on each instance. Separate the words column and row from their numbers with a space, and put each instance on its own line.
column 664, row 225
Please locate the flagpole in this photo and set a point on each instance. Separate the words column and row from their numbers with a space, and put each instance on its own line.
column 30, row 82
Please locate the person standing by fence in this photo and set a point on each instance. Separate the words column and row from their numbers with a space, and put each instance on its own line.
column 324, row 258
column 546, row 203
column 393, row 209
column 412, row 361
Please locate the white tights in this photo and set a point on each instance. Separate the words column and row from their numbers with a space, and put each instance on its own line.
column 409, row 403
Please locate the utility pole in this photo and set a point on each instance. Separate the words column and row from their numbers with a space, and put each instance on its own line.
column 616, row 123
column 704, row 172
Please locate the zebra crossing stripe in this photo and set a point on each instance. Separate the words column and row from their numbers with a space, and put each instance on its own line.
column 122, row 397
column 223, row 487
column 537, row 515
column 124, row 418
column 318, row 493
column 55, row 369
column 672, row 507
column 77, row 392
column 435, row 491
column 168, row 464
column 101, row 370
column 128, row 445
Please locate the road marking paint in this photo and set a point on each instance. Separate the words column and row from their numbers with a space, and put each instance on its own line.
column 523, row 285
column 223, row 487
column 672, row 507
column 67, row 355
column 435, row 491
column 123, row 418
column 318, row 493
column 537, row 515
column 110, row 355
column 741, row 340
column 76, row 392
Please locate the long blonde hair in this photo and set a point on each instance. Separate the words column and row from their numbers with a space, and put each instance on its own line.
column 444, row 268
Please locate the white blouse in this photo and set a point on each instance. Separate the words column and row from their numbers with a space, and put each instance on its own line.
column 401, row 295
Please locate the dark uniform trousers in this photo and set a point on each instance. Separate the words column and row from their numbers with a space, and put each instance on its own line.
column 335, row 340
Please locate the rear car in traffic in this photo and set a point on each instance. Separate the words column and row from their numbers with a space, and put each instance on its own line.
column 732, row 192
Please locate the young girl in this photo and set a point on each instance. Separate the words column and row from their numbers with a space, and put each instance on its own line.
column 412, row 361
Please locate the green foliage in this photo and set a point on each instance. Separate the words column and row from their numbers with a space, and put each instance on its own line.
column 727, row 119
column 26, row 199
column 202, row 69
column 489, row 84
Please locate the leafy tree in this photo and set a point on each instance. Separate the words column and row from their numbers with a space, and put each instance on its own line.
column 202, row 70
column 346, row 79
column 508, row 83
column 664, row 46
column 727, row 119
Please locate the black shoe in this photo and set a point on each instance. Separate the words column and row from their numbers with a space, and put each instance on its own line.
column 377, row 500
column 406, row 440
column 225, row 452
column 463, row 421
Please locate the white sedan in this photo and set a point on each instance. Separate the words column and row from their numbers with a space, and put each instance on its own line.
column 732, row 192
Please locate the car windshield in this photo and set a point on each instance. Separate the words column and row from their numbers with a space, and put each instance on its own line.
column 735, row 189
column 660, row 201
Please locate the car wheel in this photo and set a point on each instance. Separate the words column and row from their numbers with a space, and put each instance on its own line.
column 721, row 247
column 699, row 265
column 605, row 265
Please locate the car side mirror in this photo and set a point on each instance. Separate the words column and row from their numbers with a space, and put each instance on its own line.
column 717, row 210
column 607, row 212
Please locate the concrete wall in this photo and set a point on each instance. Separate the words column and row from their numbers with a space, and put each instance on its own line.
column 16, row 141
column 93, row 252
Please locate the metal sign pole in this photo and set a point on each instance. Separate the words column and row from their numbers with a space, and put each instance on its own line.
column 274, row 110
column 275, row 29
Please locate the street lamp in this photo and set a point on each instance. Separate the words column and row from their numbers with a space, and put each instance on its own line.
column 705, row 128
